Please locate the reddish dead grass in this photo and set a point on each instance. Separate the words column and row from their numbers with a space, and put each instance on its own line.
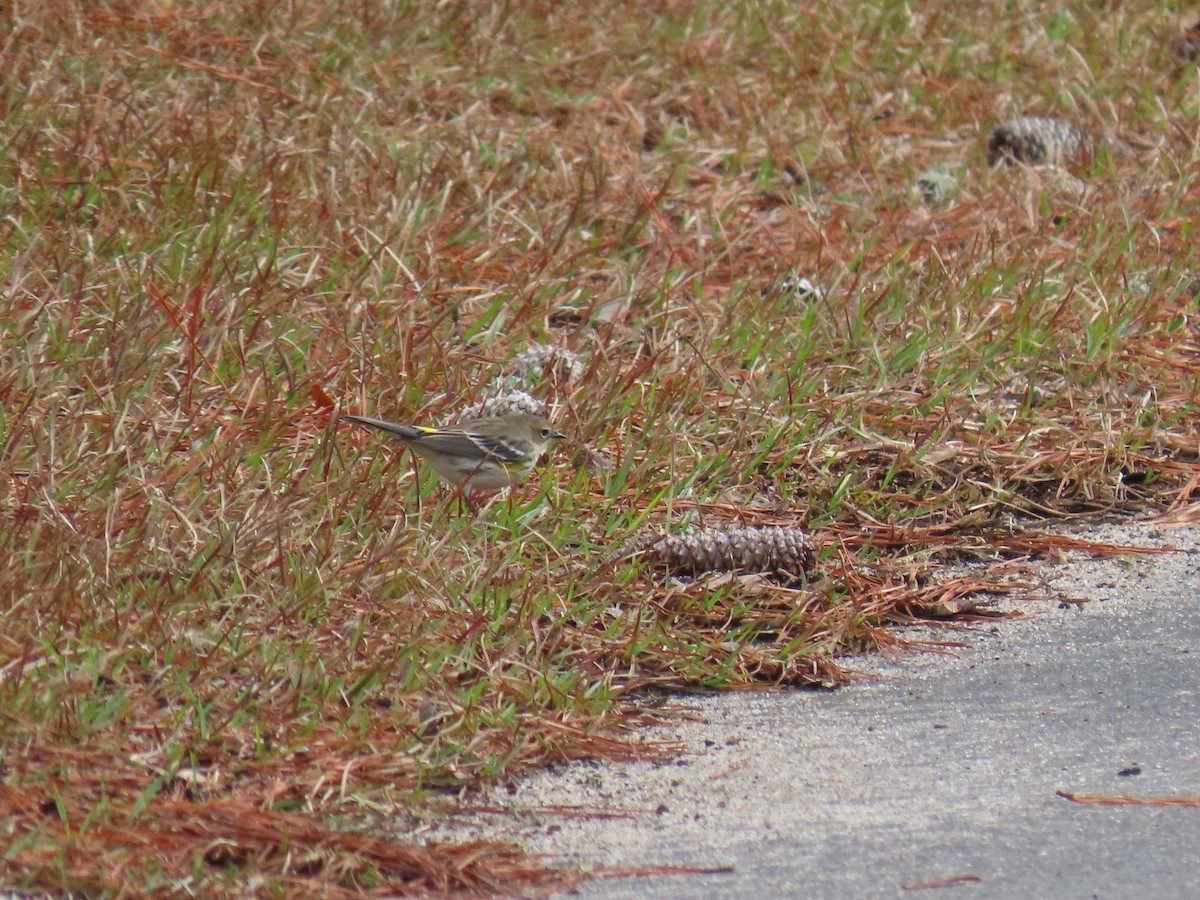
column 239, row 643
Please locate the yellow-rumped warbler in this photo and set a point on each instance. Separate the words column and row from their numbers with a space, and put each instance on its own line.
column 478, row 455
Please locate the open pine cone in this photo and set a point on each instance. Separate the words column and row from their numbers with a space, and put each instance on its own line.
column 1037, row 141
column 780, row 551
column 1187, row 44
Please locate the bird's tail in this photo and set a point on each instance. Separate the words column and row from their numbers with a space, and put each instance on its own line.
column 395, row 429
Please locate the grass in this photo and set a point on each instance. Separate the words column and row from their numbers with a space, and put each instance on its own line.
column 243, row 647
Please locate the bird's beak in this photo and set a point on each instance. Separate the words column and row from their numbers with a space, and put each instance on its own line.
column 558, row 436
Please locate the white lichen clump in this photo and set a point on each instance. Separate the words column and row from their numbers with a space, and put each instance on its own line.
column 547, row 361
column 800, row 288
column 502, row 405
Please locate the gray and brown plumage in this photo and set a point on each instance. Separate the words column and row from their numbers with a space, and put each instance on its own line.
column 478, row 455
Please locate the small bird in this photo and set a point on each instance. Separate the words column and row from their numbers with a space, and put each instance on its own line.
column 478, row 455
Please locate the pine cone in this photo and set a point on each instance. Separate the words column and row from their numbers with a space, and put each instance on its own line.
column 786, row 552
column 1187, row 44
column 1037, row 141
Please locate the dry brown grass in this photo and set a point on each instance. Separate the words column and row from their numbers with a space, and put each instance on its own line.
column 240, row 642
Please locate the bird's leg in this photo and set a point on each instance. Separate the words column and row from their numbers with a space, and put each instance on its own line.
column 462, row 499
column 472, row 501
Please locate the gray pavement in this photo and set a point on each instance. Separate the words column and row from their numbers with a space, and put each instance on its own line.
column 938, row 778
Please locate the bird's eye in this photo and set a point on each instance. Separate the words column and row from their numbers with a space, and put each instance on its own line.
column 545, row 432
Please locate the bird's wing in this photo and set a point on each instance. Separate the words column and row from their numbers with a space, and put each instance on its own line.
column 470, row 444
